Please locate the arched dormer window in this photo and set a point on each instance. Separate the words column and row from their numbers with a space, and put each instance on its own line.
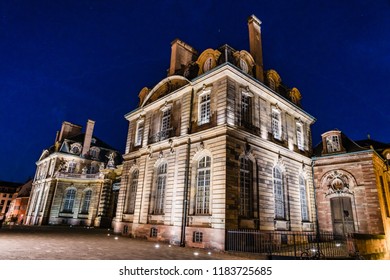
column 75, row 148
column 94, row 152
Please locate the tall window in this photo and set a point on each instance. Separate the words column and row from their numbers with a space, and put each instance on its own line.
column 165, row 124
column 86, row 202
column 132, row 192
column 333, row 143
column 160, row 190
column 279, row 194
column 204, row 108
column 245, row 109
column 303, row 196
column 202, row 205
column 300, row 142
column 276, row 124
column 139, row 134
column 245, row 187
column 69, row 200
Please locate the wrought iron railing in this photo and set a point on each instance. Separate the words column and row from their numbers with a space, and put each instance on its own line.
column 296, row 245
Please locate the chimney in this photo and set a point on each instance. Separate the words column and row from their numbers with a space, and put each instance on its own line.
column 255, row 46
column 88, row 137
column 68, row 130
column 181, row 54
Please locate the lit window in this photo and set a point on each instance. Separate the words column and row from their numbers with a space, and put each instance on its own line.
column 300, row 142
column 204, row 108
column 245, row 109
column 69, row 201
column 245, row 187
column 208, row 64
column 132, row 192
column 72, row 166
column 333, row 143
column 94, row 152
column 86, row 202
column 303, row 196
column 153, row 232
column 160, row 190
column 203, row 186
column 243, row 65
column 276, row 124
column 165, row 124
column 279, row 194
column 139, row 134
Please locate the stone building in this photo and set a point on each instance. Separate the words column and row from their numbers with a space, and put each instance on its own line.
column 221, row 143
column 7, row 190
column 76, row 180
column 18, row 206
column 352, row 183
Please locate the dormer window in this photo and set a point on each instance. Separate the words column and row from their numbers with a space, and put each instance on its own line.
column 75, row 148
column 333, row 143
column 94, row 152
column 208, row 64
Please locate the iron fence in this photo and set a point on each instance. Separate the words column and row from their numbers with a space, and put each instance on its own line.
column 295, row 245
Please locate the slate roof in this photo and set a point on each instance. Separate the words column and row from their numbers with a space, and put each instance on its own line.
column 354, row 146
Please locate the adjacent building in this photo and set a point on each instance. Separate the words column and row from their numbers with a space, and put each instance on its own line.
column 18, row 206
column 7, row 190
column 76, row 180
column 221, row 143
column 352, row 180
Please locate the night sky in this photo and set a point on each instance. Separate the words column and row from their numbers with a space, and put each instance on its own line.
column 78, row 60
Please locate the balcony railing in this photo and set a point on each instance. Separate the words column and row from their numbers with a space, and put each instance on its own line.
column 78, row 176
column 162, row 135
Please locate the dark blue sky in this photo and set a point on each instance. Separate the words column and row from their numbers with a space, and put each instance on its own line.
column 77, row 60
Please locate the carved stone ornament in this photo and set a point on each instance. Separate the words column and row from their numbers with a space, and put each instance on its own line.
column 337, row 183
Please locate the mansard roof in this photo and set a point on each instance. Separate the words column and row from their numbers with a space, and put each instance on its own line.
column 351, row 146
column 105, row 149
column 222, row 55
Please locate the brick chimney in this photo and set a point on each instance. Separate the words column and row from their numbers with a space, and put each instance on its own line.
column 68, row 130
column 88, row 137
column 255, row 46
column 181, row 55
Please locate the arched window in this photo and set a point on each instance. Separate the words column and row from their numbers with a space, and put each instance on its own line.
column 132, row 192
column 279, row 194
column 202, row 205
column 303, row 196
column 245, row 187
column 69, row 200
column 86, row 202
column 160, row 189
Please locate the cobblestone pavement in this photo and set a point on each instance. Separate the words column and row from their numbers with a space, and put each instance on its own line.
column 78, row 243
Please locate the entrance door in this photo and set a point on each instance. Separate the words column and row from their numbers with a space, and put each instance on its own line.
column 342, row 217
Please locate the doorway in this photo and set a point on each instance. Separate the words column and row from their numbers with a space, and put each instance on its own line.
column 342, row 216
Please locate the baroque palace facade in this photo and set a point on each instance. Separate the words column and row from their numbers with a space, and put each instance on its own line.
column 219, row 144
column 75, row 181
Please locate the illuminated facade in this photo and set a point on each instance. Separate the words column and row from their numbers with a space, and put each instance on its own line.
column 7, row 191
column 219, row 144
column 352, row 190
column 18, row 205
column 75, row 181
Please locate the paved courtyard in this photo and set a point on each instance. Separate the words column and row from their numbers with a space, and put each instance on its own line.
column 82, row 243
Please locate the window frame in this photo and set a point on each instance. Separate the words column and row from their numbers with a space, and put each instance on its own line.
column 279, row 193
column 87, row 197
column 159, row 198
column 300, row 136
column 305, row 215
column 203, row 186
column 69, row 200
column 246, row 181
column 276, row 123
column 204, row 107
column 132, row 192
column 139, row 135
